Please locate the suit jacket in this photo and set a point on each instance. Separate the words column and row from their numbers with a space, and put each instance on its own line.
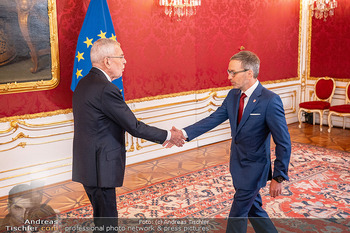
column 101, row 118
column 250, row 160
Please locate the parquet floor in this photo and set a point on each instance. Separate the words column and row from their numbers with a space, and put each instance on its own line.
column 69, row 195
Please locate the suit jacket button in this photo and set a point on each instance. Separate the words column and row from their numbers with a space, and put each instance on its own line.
column 236, row 142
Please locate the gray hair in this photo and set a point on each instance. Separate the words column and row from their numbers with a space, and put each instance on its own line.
column 102, row 48
column 249, row 61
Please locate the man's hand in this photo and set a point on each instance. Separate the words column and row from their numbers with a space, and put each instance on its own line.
column 177, row 138
column 275, row 188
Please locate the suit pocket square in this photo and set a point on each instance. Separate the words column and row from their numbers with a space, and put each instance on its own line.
column 255, row 114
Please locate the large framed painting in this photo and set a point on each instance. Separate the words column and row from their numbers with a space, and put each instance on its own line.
column 29, row 58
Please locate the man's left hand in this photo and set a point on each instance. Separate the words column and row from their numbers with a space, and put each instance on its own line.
column 275, row 188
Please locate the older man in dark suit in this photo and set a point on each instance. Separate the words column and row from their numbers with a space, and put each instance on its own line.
column 101, row 118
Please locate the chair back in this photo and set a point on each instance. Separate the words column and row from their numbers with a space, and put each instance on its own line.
column 347, row 94
column 324, row 89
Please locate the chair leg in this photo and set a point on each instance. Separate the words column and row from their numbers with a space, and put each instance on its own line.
column 329, row 122
column 321, row 120
column 299, row 118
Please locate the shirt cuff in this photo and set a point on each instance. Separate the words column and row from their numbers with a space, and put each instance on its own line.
column 168, row 137
column 184, row 133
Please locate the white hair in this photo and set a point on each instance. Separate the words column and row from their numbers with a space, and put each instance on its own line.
column 102, row 48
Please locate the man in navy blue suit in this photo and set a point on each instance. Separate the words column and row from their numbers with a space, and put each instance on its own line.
column 255, row 114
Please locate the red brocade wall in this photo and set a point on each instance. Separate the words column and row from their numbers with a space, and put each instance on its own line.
column 330, row 44
column 167, row 56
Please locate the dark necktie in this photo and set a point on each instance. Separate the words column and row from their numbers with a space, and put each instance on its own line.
column 241, row 106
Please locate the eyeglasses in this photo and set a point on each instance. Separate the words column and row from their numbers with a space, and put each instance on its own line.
column 122, row 57
column 233, row 73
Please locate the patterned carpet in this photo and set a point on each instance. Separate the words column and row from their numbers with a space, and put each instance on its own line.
column 315, row 199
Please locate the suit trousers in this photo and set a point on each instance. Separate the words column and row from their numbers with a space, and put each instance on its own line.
column 104, row 204
column 248, row 204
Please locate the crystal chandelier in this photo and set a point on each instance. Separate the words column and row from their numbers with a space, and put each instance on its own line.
column 180, row 8
column 322, row 8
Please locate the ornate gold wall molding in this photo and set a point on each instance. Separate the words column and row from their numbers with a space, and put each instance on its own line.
column 309, row 46
column 37, row 171
column 158, row 97
column 172, row 113
column 293, row 98
column 28, row 181
column 14, row 125
column 24, row 144
column 69, row 110
column 36, row 115
column 279, row 81
column 336, row 79
column 300, row 41
column 34, row 165
column 161, row 148
column 203, row 91
column 22, row 135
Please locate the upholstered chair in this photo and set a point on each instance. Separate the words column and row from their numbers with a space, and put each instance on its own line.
column 340, row 110
column 324, row 91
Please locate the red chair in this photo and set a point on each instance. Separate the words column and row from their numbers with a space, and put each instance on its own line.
column 324, row 91
column 340, row 110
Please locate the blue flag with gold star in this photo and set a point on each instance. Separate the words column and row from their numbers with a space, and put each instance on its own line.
column 97, row 24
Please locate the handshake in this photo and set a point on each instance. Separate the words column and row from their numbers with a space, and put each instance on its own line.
column 177, row 138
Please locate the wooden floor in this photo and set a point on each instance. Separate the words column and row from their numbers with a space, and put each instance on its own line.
column 68, row 195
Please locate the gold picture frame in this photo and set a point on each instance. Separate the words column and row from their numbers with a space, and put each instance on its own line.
column 22, row 7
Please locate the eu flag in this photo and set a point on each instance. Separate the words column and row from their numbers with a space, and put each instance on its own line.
column 97, row 24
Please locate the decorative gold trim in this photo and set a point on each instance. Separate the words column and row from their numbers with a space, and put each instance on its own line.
column 13, row 126
column 309, row 46
column 40, row 143
column 173, row 118
column 69, row 110
column 199, row 139
column 153, row 144
column 279, row 81
column 55, row 70
column 45, row 124
column 172, row 113
column 36, row 115
column 11, row 185
column 34, row 165
column 202, row 91
column 138, row 146
column 211, row 94
column 132, row 148
column 290, row 85
column 22, row 135
column 177, row 94
column 130, row 156
column 24, row 144
column 335, row 79
column 33, row 172
column 300, row 34
column 293, row 96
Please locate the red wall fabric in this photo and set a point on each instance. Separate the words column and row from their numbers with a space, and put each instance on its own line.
column 168, row 56
column 330, row 44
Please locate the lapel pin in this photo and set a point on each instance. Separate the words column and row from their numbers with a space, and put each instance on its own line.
column 254, row 100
